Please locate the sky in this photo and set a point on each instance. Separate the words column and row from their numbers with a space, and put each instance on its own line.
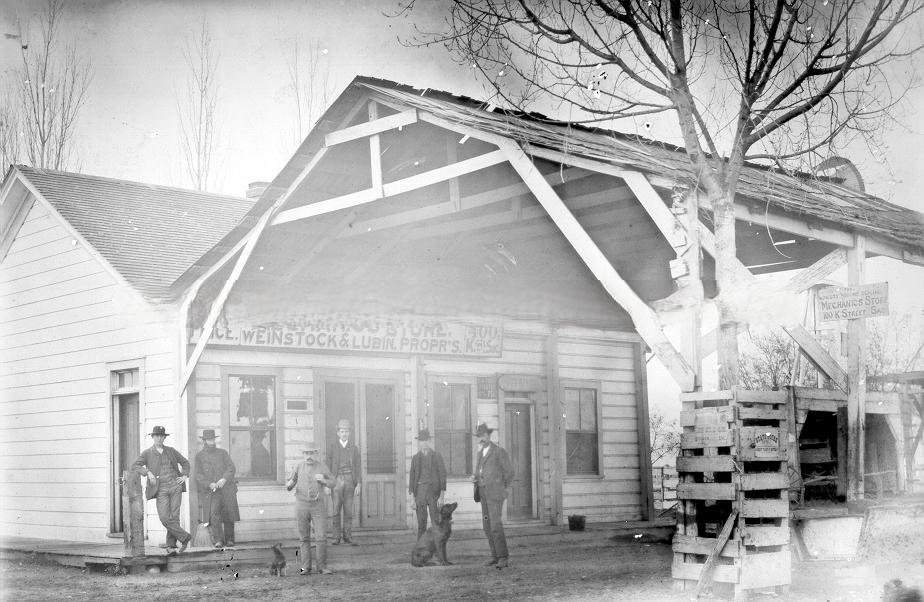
column 128, row 127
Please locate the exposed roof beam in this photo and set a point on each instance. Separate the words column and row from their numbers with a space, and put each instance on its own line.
column 646, row 321
column 370, row 128
column 369, row 195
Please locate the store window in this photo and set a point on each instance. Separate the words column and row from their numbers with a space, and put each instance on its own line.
column 581, row 449
column 252, row 425
column 452, row 426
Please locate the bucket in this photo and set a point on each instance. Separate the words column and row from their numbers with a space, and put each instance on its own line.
column 576, row 522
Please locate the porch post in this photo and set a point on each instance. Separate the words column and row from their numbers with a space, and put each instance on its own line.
column 556, row 438
column 856, row 375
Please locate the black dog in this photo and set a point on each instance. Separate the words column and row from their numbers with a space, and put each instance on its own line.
column 434, row 540
column 278, row 566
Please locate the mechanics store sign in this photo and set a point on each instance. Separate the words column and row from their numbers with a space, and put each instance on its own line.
column 394, row 334
column 851, row 302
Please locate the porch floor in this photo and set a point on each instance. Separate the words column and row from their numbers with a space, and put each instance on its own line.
column 371, row 546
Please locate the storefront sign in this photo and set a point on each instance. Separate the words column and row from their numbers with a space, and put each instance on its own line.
column 516, row 382
column 395, row 334
column 851, row 302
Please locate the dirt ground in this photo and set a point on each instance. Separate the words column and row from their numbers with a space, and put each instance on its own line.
column 611, row 569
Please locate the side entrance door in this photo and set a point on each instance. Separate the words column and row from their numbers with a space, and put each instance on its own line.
column 518, row 438
column 372, row 406
column 125, row 437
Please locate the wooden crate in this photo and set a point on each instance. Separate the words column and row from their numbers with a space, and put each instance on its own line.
column 734, row 452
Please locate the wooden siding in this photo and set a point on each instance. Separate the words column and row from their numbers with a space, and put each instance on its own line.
column 267, row 510
column 63, row 319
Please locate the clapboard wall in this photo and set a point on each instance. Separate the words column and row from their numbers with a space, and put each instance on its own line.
column 65, row 319
column 601, row 357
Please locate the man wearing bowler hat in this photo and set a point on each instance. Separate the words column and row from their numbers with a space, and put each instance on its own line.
column 343, row 459
column 493, row 474
column 168, row 469
column 309, row 479
column 427, row 481
column 217, row 491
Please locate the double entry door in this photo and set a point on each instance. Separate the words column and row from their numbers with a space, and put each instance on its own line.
column 372, row 405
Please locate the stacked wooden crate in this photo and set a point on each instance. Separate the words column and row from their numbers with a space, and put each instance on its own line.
column 733, row 510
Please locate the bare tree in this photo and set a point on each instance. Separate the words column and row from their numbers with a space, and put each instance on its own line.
column 768, row 363
column 47, row 92
column 309, row 84
column 196, row 107
column 895, row 344
column 665, row 437
column 778, row 81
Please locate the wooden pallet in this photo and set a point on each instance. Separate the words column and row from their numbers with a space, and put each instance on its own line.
column 733, row 462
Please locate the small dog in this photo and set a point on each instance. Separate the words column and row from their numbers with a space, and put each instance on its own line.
column 278, row 566
column 434, row 540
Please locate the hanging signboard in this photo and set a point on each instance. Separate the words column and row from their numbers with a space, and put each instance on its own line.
column 834, row 303
column 392, row 334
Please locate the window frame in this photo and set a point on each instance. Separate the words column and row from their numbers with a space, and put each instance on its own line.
column 453, row 379
column 596, row 387
column 279, row 422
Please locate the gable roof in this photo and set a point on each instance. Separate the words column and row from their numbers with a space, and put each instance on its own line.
column 794, row 193
column 149, row 234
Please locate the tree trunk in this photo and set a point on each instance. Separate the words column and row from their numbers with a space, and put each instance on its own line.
column 727, row 344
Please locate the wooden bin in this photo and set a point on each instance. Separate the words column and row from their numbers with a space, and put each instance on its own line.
column 733, row 463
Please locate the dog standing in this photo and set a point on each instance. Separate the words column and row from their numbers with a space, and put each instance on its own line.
column 278, row 566
column 433, row 541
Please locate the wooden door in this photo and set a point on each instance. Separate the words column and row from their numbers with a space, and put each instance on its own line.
column 518, row 438
column 340, row 403
column 382, row 446
column 126, row 448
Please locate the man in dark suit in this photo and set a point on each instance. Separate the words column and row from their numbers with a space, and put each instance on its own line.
column 493, row 474
column 427, row 482
column 217, row 491
column 169, row 469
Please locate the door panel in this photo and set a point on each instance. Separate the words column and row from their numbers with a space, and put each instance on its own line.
column 518, row 437
column 380, row 503
column 126, row 446
column 340, row 403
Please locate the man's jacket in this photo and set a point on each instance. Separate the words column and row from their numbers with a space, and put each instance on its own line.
column 211, row 465
column 150, row 460
column 494, row 473
column 427, row 469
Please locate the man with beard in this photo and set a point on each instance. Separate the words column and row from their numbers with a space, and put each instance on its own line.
column 217, row 491
column 309, row 479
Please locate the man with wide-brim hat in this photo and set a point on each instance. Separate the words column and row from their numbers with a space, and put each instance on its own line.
column 493, row 475
column 343, row 459
column 427, row 481
column 166, row 469
column 309, row 478
column 214, row 475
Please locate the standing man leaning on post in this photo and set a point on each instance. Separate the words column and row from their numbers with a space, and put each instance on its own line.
column 427, row 482
column 343, row 459
column 167, row 470
column 493, row 475
column 214, row 474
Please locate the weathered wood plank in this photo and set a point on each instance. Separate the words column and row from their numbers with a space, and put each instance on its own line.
column 706, row 577
column 704, row 416
column 766, row 569
column 765, row 508
column 760, row 414
column 706, row 491
column 748, row 396
column 375, row 126
column 722, row 573
column 815, row 393
column 764, row 480
column 767, row 535
column 705, row 464
column 707, row 396
column 714, row 437
column 689, row 544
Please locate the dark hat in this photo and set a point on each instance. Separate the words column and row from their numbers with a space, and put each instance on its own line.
column 483, row 430
column 423, row 435
column 159, row 430
column 208, row 434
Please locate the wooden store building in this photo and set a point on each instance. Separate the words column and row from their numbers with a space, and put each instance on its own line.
column 421, row 261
